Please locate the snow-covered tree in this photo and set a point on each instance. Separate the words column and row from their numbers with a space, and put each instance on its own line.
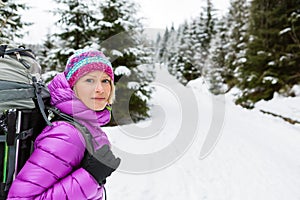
column 198, row 37
column 48, row 54
column 167, row 46
column 119, row 32
column 227, row 52
column 181, row 64
column 163, row 51
column 209, row 19
column 188, row 56
column 75, row 29
column 272, row 56
column 11, row 23
column 216, row 66
column 237, row 23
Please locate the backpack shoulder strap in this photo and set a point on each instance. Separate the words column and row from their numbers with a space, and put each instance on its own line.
column 84, row 131
column 21, row 50
column 2, row 50
column 18, row 52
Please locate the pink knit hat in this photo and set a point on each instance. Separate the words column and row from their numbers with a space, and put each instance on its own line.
column 84, row 61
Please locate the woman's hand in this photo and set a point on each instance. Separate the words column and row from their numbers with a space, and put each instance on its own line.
column 101, row 164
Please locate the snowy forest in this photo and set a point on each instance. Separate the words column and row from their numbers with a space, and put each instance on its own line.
column 253, row 50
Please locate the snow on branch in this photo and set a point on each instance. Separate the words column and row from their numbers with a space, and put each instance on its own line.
column 285, row 31
column 122, row 70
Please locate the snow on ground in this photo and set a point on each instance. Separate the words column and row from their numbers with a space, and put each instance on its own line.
column 284, row 106
column 254, row 157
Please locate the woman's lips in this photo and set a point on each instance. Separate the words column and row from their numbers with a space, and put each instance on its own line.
column 98, row 98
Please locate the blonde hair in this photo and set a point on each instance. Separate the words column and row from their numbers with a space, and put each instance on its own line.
column 112, row 95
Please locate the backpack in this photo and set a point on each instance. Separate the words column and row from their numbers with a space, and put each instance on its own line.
column 24, row 111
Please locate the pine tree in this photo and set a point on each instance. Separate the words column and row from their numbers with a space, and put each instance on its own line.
column 48, row 55
column 231, row 40
column 173, row 53
column 172, row 44
column 181, row 63
column 198, row 37
column 163, row 51
column 168, row 45
column 272, row 56
column 237, row 23
column 77, row 29
column 157, row 48
column 119, row 31
column 207, row 30
column 289, row 59
column 216, row 70
column 11, row 23
column 194, row 38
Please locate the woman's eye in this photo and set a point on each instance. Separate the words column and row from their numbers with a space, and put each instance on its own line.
column 89, row 80
column 105, row 81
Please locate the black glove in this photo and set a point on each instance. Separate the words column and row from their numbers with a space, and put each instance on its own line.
column 101, row 164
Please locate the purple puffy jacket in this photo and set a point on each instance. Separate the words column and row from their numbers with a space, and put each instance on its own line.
column 53, row 170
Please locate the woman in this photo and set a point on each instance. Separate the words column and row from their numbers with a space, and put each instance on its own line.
column 59, row 168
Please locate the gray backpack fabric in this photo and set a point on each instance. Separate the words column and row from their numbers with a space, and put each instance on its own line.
column 18, row 67
column 23, row 96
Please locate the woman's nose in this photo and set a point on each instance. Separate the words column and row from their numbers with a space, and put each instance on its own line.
column 99, row 88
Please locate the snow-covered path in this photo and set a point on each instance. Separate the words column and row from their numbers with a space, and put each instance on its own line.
column 257, row 157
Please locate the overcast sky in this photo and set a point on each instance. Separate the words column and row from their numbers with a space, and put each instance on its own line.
column 158, row 13
column 162, row 13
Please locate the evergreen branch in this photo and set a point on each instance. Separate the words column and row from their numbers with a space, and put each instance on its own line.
column 287, row 119
column 296, row 76
column 294, row 36
column 294, row 18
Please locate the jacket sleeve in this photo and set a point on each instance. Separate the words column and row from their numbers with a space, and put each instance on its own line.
column 53, row 171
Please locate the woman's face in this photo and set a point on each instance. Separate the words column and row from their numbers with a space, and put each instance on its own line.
column 93, row 89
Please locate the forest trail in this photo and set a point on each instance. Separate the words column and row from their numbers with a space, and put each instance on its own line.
column 255, row 158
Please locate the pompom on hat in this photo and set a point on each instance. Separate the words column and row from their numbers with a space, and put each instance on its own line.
column 84, row 61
